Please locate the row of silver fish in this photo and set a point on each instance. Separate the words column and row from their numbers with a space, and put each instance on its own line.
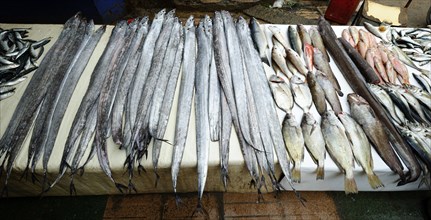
column 47, row 95
column 18, row 57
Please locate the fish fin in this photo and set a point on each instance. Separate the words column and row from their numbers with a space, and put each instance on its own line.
column 120, row 187
column 24, row 173
column 265, row 60
column 320, row 173
column 350, row 186
column 157, row 178
column 178, row 200
column 374, row 181
column 72, row 189
column 141, row 168
column 200, row 210
column 296, row 174
column 131, row 187
column 224, row 177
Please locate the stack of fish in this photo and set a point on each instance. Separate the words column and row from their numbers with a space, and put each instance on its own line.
column 47, row 96
column 357, row 72
column 301, row 74
column 237, row 77
column 408, row 106
column 415, row 42
column 18, row 56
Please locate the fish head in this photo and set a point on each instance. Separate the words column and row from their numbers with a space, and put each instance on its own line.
column 354, row 98
column 190, row 23
column 276, row 79
column 241, row 23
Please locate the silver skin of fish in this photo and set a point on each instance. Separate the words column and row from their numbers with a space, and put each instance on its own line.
column 314, row 143
column 162, row 81
column 237, row 70
column 259, row 39
column 7, row 95
column 301, row 93
column 203, row 60
column 14, row 136
column 294, row 143
column 167, row 101
column 387, row 102
column 420, row 94
column 338, row 147
column 269, row 126
column 92, row 92
column 224, row 73
column 184, row 99
column 413, row 102
column 214, row 106
column 281, row 93
column 295, row 40
column 330, row 93
column 44, row 118
column 361, row 148
column 141, row 122
column 224, row 140
column 68, row 86
column 126, row 80
column 138, row 82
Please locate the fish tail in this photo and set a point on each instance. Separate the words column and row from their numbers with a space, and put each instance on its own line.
column 374, row 181
column 296, row 174
column 224, row 177
column 350, row 185
column 265, row 60
column 201, row 210
column 320, row 173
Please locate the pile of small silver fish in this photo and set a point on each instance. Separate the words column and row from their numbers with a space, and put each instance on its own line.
column 18, row 56
column 415, row 42
column 237, row 77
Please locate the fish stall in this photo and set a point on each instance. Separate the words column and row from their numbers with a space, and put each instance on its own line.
column 214, row 105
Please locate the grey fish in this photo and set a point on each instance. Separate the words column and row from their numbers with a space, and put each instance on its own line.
column 317, row 93
column 301, row 93
column 294, row 142
column 168, row 100
column 277, row 34
column 304, row 35
column 373, row 128
column 361, row 148
column 379, row 32
column 339, row 149
column 259, row 39
column 214, row 106
column 295, row 40
column 224, row 140
column 237, row 69
column 420, row 94
column 318, row 42
column 321, row 64
column 162, row 80
column 329, row 91
column 184, row 99
column 203, row 61
column 126, row 80
column 314, row 142
column 281, row 93
column 297, row 61
column 386, row 101
column 277, row 56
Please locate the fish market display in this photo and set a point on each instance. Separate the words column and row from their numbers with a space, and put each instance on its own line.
column 18, row 57
column 276, row 86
